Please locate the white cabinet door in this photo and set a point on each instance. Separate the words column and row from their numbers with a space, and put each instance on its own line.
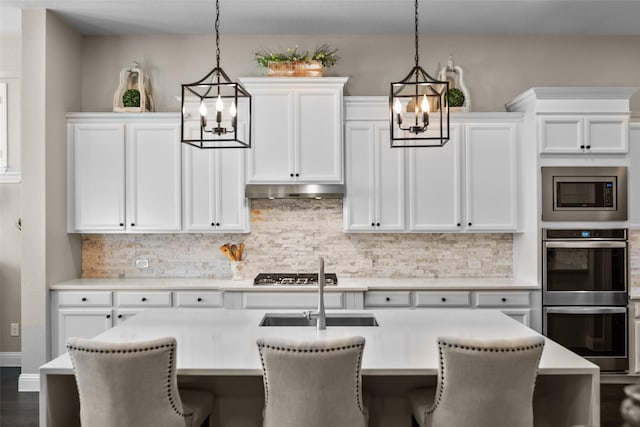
column 633, row 179
column 96, row 177
column 435, row 186
column 154, row 198
column 318, row 135
column 491, row 177
column 81, row 323
column 561, row 134
column 374, row 179
column 271, row 155
column 214, row 190
column 607, row 134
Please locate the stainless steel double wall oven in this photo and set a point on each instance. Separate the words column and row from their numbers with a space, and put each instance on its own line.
column 585, row 293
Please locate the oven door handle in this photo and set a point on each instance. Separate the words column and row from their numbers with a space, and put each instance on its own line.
column 586, row 310
column 587, row 245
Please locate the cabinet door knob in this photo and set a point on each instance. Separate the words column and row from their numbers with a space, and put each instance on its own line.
column 133, row 224
column 143, row 299
column 199, row 299
column 582, row 147
column 297, row 174
column 588, row 147
column 119, row 316
column 213, row 224
column 373, row 224
column 122, row 224
column 387, row 299
column 291, row 175
column 84, row 299
column 443, row 299
column 459, row 224
column 377, row 224
column 469, row 224
column 108, row 316
column 503, row 299
column 217, row 224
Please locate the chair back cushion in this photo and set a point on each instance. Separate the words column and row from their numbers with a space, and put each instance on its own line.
column 127, row 384
column 313, row 384
column 486, row 383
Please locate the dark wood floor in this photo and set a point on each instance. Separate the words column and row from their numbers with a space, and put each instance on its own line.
column 21, row 409
column 16, row 409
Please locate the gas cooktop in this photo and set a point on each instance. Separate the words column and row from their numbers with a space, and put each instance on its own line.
column 293, row 279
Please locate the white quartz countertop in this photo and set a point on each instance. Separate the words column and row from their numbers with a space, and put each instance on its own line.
column 223, row 342
column 344, row 284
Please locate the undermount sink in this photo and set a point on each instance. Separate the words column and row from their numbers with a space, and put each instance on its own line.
column 333, row 319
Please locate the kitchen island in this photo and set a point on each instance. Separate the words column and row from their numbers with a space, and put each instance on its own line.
column 217, row 350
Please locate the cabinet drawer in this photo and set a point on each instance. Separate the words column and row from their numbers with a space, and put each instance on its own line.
column 302, row 300
column 88, row 299
column 199, row 299
column 507, row 299
column 387, row 299
column 144, row 299
column 443, row 299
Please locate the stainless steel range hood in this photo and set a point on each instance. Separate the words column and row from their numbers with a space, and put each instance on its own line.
column 294, row 191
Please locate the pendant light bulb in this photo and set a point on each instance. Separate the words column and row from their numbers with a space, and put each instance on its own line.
column 232, row 109
column 397, row 106
column 425, row 104
column 219, row 104
column 203, row 109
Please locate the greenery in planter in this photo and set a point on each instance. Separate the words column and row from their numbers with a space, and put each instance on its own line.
column 324, row 54
column 456, row 97
column 131, row 98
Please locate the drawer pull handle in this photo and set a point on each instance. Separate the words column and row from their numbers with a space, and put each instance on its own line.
column 443, row 299
column 119, row 316
column 108, row 316
column 199, row 299
column 387, row 299
column 503, row 299
column 143, row 299
column 84, row 299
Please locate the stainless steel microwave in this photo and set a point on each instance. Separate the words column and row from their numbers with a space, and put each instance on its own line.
column 584, row 193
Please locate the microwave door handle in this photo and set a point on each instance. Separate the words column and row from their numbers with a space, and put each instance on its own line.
column 586, row 310
column 585, row 245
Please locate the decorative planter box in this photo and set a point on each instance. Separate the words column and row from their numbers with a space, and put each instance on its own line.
column 295, row 69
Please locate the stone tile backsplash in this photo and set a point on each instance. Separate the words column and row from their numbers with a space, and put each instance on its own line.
column 288, row 236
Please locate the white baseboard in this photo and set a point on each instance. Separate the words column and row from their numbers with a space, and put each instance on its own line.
column 29, row 382
column 10, row 359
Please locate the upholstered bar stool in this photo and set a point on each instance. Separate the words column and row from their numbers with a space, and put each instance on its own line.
column 134, row 384
column 481, row 383
column 313, row 384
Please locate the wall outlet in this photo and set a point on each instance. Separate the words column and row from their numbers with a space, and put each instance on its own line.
column 142, row 263
column 15, row 329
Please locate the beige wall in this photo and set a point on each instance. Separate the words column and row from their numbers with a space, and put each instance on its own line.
column 10, row 194
column 496, row 68
column 51, row 71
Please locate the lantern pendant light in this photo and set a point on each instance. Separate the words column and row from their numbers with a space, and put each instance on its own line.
column 216, row 112
column 424, row 99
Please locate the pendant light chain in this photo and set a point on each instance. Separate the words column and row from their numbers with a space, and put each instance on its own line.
column 416, row 34
column 217, row 26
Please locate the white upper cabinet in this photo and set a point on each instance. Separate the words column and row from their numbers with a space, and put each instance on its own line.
column 469, row 184
column 297, row 130
column 374, row 198
column 214, row 183
column 491, row 180
column 124, row 172
column 577, row 134
column 435, row 186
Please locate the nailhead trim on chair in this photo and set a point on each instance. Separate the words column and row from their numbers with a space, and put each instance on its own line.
column 313, row 350
column 442, row 344
column 140, row 350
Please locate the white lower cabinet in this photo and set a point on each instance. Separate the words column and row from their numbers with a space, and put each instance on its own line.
column 79, row 322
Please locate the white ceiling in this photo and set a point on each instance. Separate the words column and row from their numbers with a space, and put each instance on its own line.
column 437, row 17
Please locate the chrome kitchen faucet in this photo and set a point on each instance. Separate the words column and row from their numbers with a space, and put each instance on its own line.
column 320, row 315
